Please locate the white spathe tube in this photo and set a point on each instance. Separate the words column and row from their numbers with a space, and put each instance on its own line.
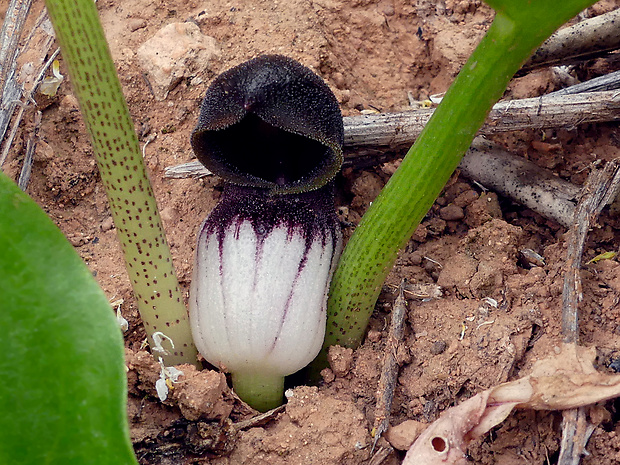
column 259, row 293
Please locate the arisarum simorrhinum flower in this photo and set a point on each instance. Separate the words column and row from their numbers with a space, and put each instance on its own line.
column 265, row 255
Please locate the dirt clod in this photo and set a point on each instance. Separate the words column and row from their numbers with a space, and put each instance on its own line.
column 340, row 360
column 402, row 436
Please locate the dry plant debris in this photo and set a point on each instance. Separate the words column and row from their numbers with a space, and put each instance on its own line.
column 563, row 381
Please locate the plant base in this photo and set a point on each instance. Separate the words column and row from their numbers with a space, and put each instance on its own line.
column 262, row 392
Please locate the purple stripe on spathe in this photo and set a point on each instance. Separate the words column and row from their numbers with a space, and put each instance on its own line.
column 312, row 213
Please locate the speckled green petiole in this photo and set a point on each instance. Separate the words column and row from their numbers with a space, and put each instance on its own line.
column 124, row 176
column 518, row 29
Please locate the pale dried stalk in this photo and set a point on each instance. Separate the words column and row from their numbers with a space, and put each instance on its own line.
column 10, row 90
column 521, row 180
column 259, row 420
column 381, row 455
column 609, row 81
column 576, row 431
column 509, row 175
column 27, row 101
column 5, row 117
column 582, row 40
column 9, row 37
column 395, row 130
column 389, row 372
column 15, row 91
column 600, row 189
column 31, row 146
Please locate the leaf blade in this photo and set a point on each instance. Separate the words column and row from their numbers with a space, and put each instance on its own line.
column 63, row 389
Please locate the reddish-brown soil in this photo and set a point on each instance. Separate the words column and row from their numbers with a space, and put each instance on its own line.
column 374, row 54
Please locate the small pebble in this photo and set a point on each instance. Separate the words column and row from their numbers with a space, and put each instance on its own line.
column 531, row 258
column 451, row 213
column 328, row 375
column 340, row 360
column 402, row 436
column 389, row 168
column 420, row 233
column 78, row 241
column 374, row 335
column 438, row 347
column 338, row 80
column 465, row 198
column 135, row 24
column 435, row 226
column 387, row 10
column 107, row 224
column 415, row 258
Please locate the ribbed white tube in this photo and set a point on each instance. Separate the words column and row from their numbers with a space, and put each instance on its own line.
column 258, row 301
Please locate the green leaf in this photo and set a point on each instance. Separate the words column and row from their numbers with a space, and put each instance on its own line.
column 62, row 374
column 603, row 256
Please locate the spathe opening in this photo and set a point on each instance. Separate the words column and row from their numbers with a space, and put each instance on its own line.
column 257, row 149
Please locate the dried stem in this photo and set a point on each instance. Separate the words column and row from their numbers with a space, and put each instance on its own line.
column 15, row 91
column 25, row 104
column 12, row 27
column 521, row 180
column 488, row 164
column 588, row 38
column 381, row 455
column 609, row 81
column 600, row 189
column 10, row 90
column 576, row 431
column 259, row 420
column 24, row 176
column 509, row 175
column 389, row 373
column 395, row 130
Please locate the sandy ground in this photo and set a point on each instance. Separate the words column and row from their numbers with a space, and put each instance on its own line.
column 375, row 55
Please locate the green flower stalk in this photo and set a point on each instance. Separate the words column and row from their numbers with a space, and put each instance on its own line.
column 129, row 192
column 518, row 29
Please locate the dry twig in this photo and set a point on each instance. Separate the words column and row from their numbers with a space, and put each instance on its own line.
column 395, row 130
column 381, row 455
column 10, row 90
column 588, row 38
column 609, row 81
column 23, row 105
column 12, row 27
column 16, row 91
column 259, row 420
column 514, row 177
column 24, row 176
column 576, row 431
column 389, row 373
column 509, row 175
column 521, row 180
column 600, row 190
